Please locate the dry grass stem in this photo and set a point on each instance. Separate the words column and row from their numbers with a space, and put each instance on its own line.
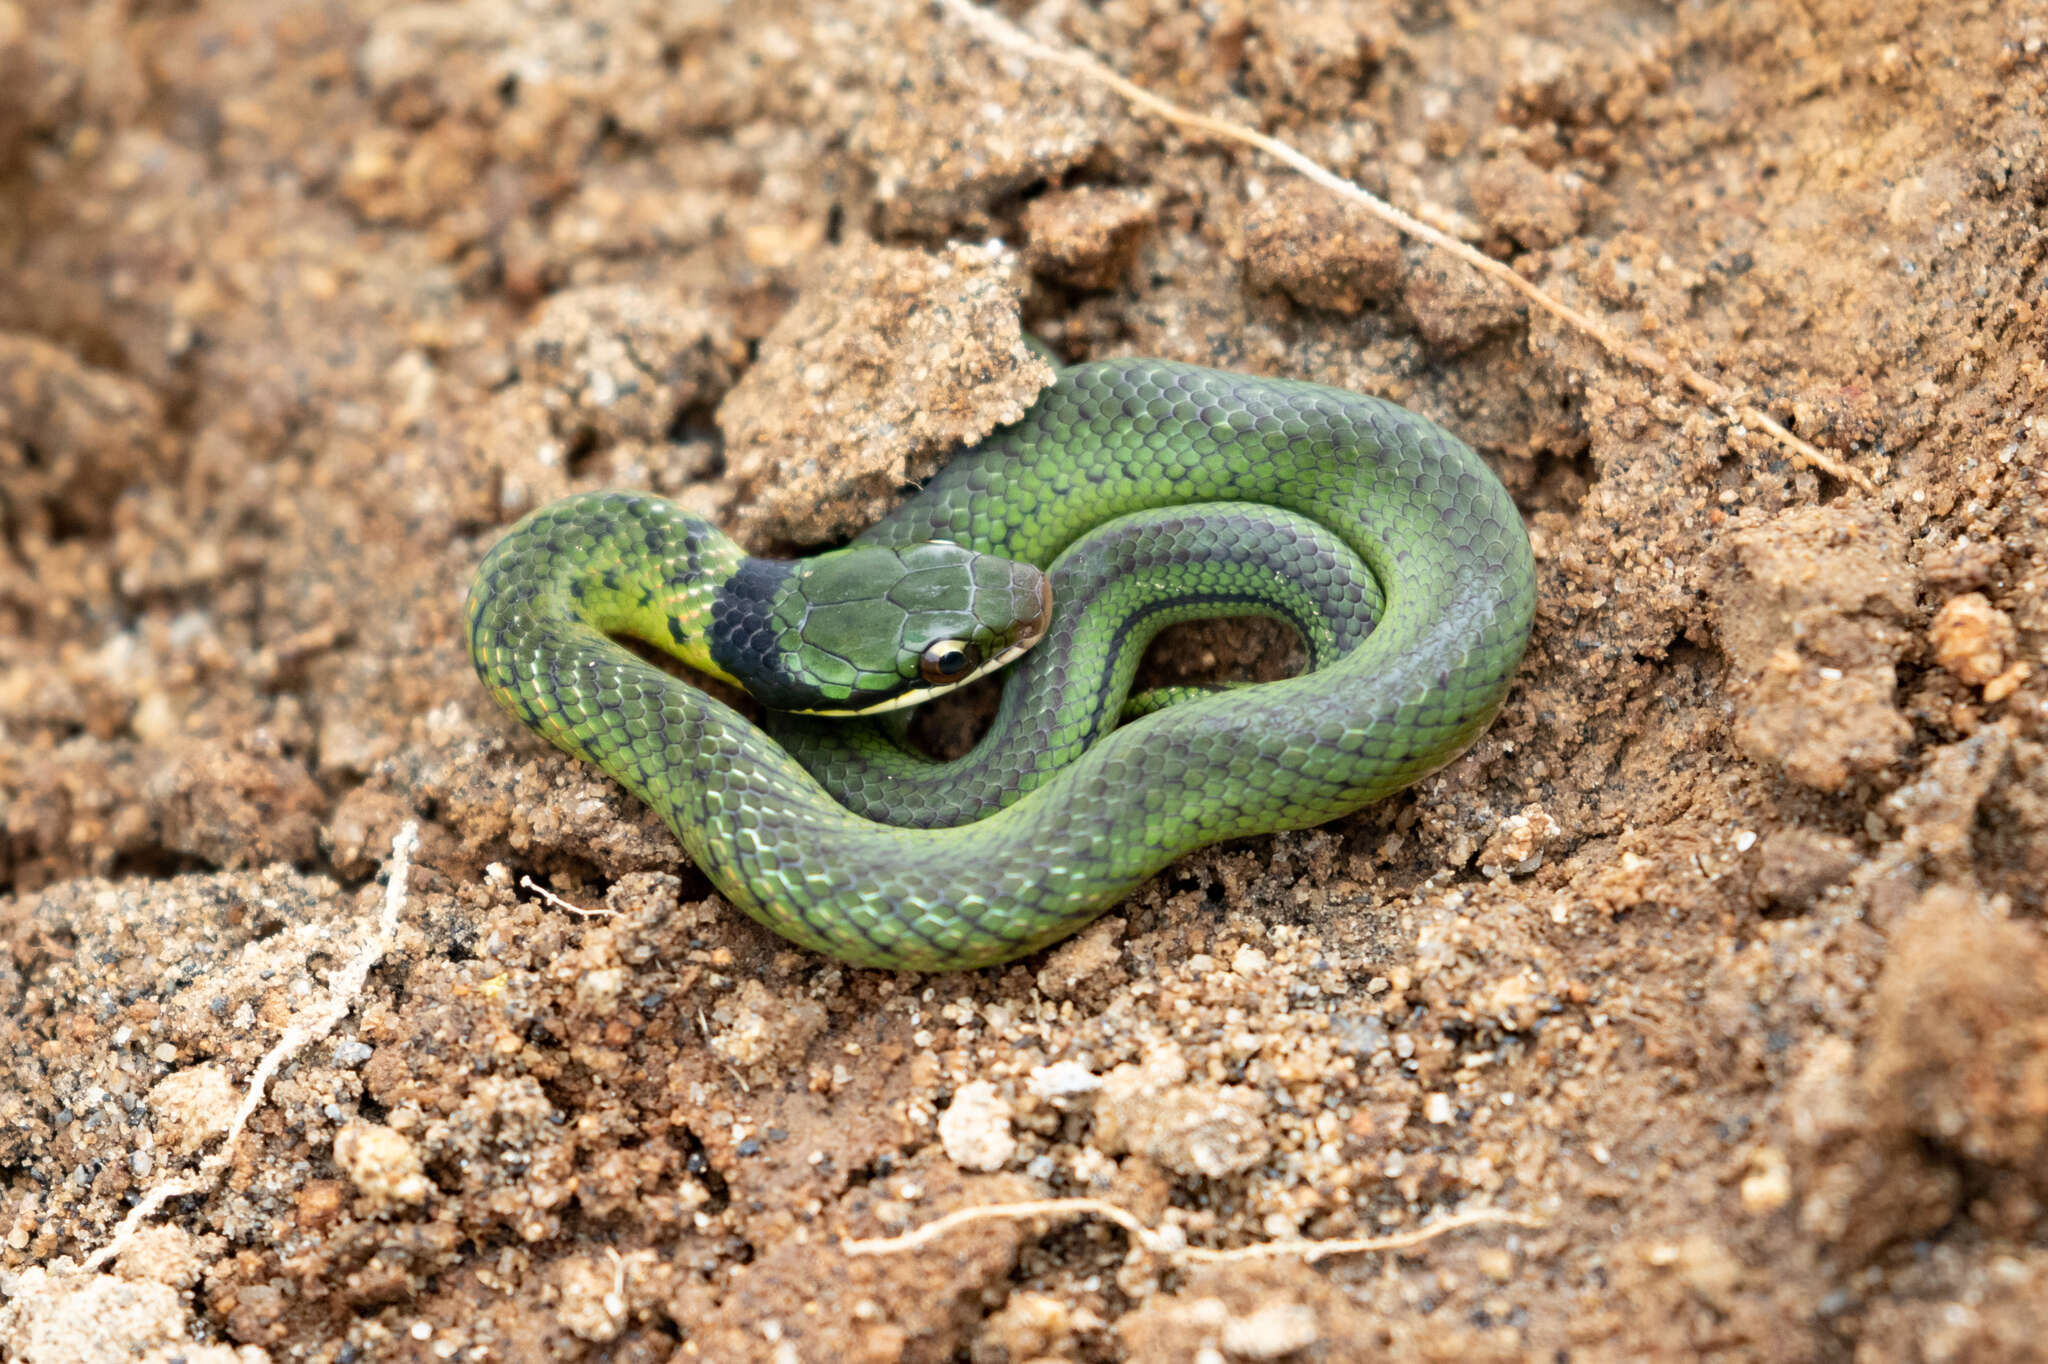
column 1735, row 407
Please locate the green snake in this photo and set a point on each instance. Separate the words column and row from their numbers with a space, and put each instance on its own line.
column 948, row 586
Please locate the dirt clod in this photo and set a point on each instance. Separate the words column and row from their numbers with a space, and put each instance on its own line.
column 1812, row 609
column 1972, row 639
column 1798, row 865
column 381, row 1163
column 1322, row 251
column 839, row 411
column 624, row 363
column 975, row 1128
column 1960, row 1052
column 1535, row 208
column 1087, row 237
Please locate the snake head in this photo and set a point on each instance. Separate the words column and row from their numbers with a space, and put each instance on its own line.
column 872, row 628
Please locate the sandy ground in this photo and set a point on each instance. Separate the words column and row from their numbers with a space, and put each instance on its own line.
column 1723, row 954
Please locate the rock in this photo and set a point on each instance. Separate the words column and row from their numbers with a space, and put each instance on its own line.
column 975, row 1128
column 1972, row 640
column 382, row 1164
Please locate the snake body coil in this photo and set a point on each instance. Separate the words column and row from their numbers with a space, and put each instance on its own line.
column 1115, row 590
column 1434, row 525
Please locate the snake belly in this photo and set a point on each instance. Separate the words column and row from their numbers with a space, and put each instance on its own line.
column 1108, row 438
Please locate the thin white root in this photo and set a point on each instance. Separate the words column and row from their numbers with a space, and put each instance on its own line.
column 1006, row 34
column 1169, row 1245
column 559, row 903
column 306, row 1028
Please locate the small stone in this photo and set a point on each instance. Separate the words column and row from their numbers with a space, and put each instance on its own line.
column 382, row 1164
column 1516, row 847
column 2007, row 682
column 192, row 1107
column 1359, row 1034
column 975, row 1128
column 1272, row 1332
column 1062, row 1082
column 590, row 1305
column 1972, row 638
column 598, row 990
column 1768, row 1185
column 319, row 1203
column 1033, row 1326
column 1496, row 1264
column 1514, row 1000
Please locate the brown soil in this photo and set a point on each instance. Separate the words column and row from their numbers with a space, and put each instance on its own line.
column 1723, row 953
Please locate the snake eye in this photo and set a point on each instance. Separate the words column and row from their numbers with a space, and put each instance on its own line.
column 948, row 661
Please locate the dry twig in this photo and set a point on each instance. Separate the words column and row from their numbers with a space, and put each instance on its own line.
column 1736, row 407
